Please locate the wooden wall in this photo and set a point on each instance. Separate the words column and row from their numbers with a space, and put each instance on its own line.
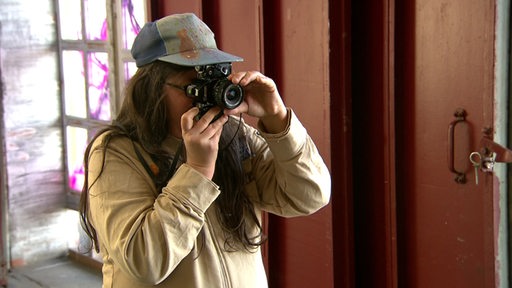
column 31, row 132
column 288, row 40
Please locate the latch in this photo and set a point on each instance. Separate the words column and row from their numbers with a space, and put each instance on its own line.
column 490, row 154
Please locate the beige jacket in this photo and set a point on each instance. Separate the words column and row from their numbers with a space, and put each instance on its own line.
column 173, row 239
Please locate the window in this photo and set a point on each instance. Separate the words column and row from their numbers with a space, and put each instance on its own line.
column 95, row 58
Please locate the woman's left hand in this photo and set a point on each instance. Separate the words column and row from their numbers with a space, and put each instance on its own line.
column 261, row 100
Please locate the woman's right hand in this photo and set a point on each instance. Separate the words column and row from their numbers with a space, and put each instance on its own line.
column 201, row 138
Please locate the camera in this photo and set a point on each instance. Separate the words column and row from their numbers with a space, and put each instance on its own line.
column 212, row 88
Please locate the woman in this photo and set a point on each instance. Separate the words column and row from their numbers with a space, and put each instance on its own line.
column 174, row 200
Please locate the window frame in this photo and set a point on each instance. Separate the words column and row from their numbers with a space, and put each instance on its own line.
column 118, row 56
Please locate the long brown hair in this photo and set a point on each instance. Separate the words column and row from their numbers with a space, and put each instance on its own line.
column 143, row 119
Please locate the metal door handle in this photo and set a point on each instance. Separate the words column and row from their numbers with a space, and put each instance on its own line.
column 460, row 115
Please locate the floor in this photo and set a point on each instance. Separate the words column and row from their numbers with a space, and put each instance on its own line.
column 55, row 273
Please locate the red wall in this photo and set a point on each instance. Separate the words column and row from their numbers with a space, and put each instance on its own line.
column 289, row 41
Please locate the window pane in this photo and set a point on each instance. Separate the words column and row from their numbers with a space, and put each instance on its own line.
column 99, row 100
column 70, row 19
column 74, row 83
column 134, row 16
column 76, row 143
column 96, row 19
column 129, row 70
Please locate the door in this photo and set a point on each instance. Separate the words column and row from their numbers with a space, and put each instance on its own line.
column 415, row 63
column 448, row 228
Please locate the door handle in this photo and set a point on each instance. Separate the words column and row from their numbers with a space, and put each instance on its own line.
column 460, row 116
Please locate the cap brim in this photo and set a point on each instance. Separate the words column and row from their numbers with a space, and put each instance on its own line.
column 200, row 57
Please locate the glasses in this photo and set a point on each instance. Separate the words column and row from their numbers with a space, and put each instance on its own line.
column 176, row 86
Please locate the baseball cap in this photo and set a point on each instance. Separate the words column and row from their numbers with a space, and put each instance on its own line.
column 181, row 39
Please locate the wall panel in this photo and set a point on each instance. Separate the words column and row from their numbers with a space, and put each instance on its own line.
column 300, row 249
column 288, row 41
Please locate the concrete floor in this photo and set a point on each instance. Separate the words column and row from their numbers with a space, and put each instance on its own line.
column 55, row 273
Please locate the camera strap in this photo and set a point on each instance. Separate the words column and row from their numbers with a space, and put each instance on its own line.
column 153, row 170
column 175, row 161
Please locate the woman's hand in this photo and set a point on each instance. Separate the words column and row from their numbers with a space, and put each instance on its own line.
column 201, row 138
column 261, row 100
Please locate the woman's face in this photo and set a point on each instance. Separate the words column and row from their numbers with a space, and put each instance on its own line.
column 176, row 101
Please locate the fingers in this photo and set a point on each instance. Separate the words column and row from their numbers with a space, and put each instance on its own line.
column 187, row 119
column 244, row 78
column 242, row 108
column 203, row 125
column 214, row 129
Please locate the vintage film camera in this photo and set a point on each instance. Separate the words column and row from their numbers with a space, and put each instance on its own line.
column 212, row 88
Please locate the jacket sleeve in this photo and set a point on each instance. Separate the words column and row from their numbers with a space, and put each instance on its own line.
column 144, row 232
column 287, row 175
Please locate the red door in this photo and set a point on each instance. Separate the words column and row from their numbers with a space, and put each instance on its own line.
column 415, row 63
column 449, row 228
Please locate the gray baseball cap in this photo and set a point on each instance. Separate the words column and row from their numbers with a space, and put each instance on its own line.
column 181, row 39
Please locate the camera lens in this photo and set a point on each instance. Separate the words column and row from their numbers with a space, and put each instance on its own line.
column 232, row 96
column 227, row 94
